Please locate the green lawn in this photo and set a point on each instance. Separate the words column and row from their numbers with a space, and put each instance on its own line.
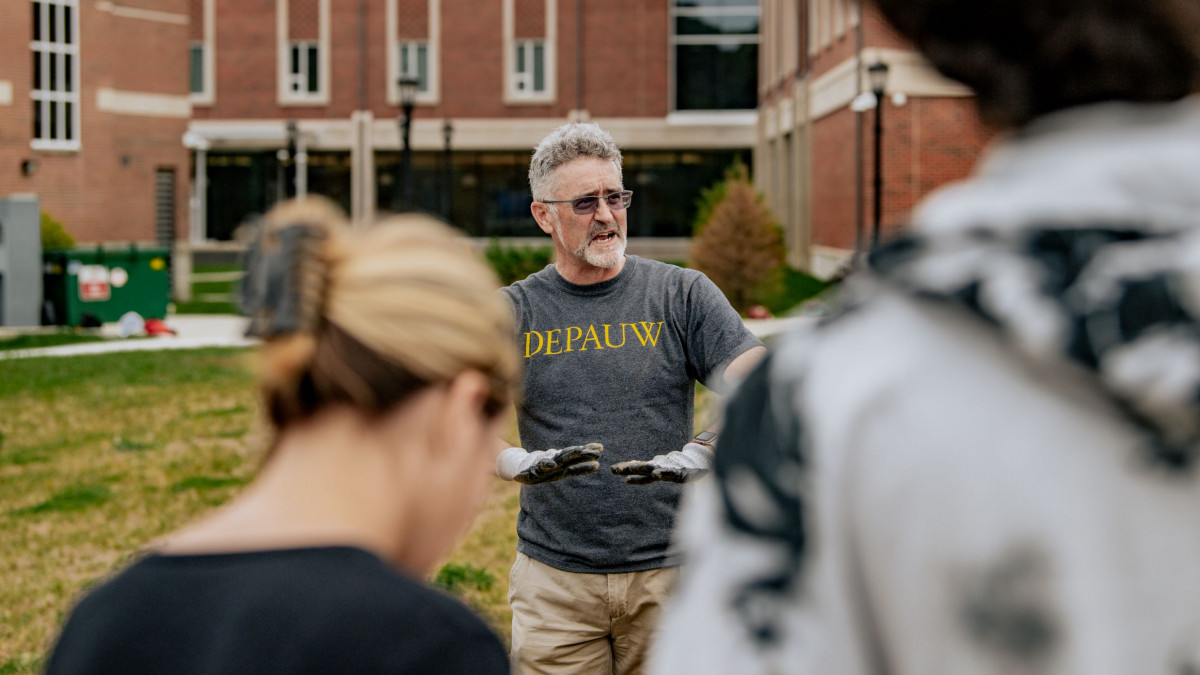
column 100, row 455
column 211, row 297
column 66, row 336
column 797, row 287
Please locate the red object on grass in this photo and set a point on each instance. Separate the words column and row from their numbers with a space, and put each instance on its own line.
column 158, row 327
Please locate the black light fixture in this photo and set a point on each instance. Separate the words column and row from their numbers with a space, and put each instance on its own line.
column 408, row 97
column 448, row 177
column 29, row 167
column 877, row 74
column 293, row 133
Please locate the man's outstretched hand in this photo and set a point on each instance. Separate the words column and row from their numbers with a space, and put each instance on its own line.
column 543, row 466
column 692, row 462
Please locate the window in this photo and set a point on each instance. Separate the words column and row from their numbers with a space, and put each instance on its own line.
column 529, row 68
column 414, row 63
column 304, row 71
column 715, row 54
column 55, row 89
column 529, row 48
column 303, row 42
column 201, row 66
column 196, row 67
column 413, row 29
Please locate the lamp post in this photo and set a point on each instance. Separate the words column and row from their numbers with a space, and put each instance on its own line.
column 290, row 186
column 877, row 74
column 408, row 96
column 447, row 131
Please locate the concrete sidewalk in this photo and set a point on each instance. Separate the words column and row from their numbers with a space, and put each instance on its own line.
column 194, row 331
column 227, row 330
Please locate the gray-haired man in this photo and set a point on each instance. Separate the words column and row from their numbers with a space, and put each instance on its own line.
column 613, row 345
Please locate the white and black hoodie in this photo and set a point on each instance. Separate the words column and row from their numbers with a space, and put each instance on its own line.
column 985, row 459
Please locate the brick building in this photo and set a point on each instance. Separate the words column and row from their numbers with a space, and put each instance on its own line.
column 675, row 81
column 86, row 125
column 815, row 152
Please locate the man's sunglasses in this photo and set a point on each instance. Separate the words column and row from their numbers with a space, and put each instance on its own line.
column 587, row 205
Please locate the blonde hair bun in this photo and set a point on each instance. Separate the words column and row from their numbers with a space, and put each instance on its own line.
column 368, row 318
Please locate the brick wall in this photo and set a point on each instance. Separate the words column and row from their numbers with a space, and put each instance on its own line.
column 625, row 71
column 105, row 190
column 926, row 143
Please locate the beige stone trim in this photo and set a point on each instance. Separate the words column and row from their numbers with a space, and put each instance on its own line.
column 142, row 103
column 834, row 89
column 475, row 134
column 912, row 74
column 6, row 92
column 909, row 73
column 127, row 12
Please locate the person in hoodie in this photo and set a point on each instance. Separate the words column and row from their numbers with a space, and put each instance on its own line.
column 983, row 459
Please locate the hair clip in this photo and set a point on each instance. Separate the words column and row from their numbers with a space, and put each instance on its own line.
column 278, row 292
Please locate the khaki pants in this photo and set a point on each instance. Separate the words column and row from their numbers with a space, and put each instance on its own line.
column 566, row 622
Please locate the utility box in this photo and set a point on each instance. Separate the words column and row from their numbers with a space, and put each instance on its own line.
column 99, row 284
column 20, row 261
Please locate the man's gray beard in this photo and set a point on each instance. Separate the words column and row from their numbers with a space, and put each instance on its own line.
column 604, row 260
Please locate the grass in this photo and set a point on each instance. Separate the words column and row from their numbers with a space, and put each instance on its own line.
column 211, row 297
column 797, row 287
column 39, row 340
column 99, row 456
column 102, row 455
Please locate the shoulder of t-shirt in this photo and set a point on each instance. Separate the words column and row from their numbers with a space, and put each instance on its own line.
column 518, row 290
column 671, row 273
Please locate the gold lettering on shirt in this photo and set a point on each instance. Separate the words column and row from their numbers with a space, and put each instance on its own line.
column 558, row 341
column 591, row 337
column 650, row 336
column 609, row 342
column 541, row 343
column 551, row 340
column 577, row 332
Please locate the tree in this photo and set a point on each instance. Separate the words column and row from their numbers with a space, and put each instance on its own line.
column 54, row 236
column 741, row 246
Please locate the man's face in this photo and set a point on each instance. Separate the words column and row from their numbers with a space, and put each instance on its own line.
column 596, row 239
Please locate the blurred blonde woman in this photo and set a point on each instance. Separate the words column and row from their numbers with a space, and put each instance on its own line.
column 386, row 363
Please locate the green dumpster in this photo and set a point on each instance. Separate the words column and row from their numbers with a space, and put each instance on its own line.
column 102, row 283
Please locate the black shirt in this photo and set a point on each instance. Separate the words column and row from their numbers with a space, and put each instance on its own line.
column 314, row 610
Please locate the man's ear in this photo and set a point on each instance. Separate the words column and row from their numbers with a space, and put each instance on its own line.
column 541, row 213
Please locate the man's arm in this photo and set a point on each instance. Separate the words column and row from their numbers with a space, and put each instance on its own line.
column 737, row 369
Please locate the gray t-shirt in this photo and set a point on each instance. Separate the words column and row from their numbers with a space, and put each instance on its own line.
column 614, row 363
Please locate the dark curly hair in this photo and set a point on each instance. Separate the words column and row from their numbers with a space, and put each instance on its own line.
column 1026, row 58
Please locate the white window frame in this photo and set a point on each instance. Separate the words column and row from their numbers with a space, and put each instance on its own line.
column 410, row 51
column 431, row 95
column 299, row 77
column 523, row 81
column 41, row 94
column 208, row 62
column 676, row 40
column 285, row 94
column 514, row 94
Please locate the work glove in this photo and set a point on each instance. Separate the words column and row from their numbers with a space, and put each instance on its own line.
column 680, row 466
column 543, row 466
